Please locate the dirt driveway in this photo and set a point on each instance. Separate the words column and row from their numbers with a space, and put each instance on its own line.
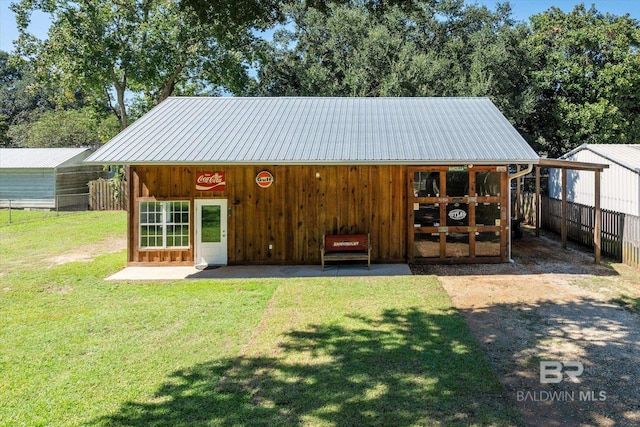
column 555, row 305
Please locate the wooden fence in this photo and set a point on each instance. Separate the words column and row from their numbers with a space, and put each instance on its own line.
column 105, row 196
column 620, row 232
column 631, row 241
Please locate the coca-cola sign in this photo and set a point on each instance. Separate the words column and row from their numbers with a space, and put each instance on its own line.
column 210, row 181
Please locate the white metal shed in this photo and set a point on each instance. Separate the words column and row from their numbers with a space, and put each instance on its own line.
column 46, row 178
column 620, row 183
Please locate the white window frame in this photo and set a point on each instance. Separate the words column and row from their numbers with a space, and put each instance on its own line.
column 163, row 224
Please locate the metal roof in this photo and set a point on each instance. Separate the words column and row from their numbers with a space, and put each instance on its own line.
column 627, row 155
column 313, row 130
column 38, row 158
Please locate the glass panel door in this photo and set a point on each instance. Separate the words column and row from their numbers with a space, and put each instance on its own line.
column 211, row 232
column 457, row 212
column 210, row 224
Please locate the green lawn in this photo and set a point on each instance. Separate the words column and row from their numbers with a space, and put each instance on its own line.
column 76, row 350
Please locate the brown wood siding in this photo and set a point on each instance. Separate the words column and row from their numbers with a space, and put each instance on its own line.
column 291, row 215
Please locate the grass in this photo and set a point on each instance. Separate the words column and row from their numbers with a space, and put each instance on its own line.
column 17, row 216
column 621, row 287
column 76, row 350
column 27, row 245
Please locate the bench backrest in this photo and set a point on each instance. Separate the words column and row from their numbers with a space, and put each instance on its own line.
column 346, row 242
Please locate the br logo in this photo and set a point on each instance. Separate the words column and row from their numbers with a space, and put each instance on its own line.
column 552, row 372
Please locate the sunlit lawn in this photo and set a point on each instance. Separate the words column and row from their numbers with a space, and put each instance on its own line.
column 76, row 350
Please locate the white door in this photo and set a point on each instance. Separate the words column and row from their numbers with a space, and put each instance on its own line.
column 211, row 232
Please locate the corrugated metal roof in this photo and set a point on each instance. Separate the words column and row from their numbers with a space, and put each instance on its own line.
column 298, row 130
column 627, row 155
column 32, row 158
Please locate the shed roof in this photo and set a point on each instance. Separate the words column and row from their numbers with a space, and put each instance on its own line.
column 38, row 158
column 626, row 155
column 308, row 130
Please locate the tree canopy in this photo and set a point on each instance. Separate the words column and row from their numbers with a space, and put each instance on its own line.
column 586, row 78
column 66, row 128
column 145, row 48
column 563, row 79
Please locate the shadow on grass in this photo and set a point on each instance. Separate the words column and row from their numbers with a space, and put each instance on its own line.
column 630, row 303
column 403, row 368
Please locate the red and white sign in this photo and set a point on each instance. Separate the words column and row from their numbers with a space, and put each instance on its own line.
column 210, row 181
column 264, row 179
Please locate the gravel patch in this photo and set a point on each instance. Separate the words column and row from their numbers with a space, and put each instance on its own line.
column 539, row 309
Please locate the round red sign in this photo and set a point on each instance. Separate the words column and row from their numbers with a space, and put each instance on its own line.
column 264, row 179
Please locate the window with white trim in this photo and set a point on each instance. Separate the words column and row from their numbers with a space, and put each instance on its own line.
column 164, row 224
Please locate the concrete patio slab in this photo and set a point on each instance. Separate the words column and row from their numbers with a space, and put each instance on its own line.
column 258, row 271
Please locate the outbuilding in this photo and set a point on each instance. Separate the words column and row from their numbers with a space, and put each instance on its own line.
column 620, row 183
column 217, row 181
column 46, row 178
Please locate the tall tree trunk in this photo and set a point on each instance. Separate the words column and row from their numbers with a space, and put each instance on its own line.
column 124, row 120
column 170, row 84
column 121, row 86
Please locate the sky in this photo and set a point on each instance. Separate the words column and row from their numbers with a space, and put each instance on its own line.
column 522, row 10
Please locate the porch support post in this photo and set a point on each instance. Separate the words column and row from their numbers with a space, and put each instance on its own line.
column 597, row 223
column 538, row 207
column 518, row 191
column 563, row 223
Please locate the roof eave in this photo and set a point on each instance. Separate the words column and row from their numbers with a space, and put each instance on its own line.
column 322, row 162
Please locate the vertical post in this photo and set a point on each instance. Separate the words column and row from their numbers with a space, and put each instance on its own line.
column 597, row 223
column 505, row 216
column 538, row 201
column 9, row 211
column 131, row 221
column 563, row 222
column 518, row 191
column 410, row 215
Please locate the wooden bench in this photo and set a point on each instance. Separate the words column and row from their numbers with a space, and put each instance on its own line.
column 345, row 247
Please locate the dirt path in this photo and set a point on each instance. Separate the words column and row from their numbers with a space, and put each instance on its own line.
column 88, row 252
column 555, row 305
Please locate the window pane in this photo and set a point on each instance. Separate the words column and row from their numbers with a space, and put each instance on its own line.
column 487, row 214
column 488, row 244
column 210, row 225
column 426, row 245
column 153, row 227
column 427, row 215
column 426, row 184
column 151, row 236
column 457, row 214
column 458, row 245
column 488, row 183
column 457, row 184
column 178, row 212
column 178, row 234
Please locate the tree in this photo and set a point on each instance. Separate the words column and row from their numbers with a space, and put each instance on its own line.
column 148, row 48
column 19, row 97
column 5, row 139
column 586, row 77
column 65, row 128
column 425, row 48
